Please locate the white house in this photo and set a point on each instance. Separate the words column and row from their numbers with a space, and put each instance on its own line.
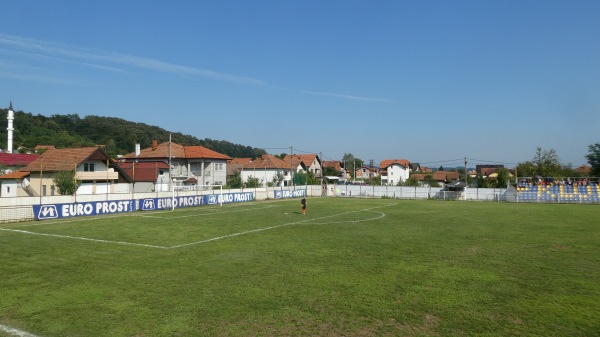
column 268, row 169
column 394, row 171
column 190, row 166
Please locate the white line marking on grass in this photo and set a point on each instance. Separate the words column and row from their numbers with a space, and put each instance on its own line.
column 16, row 332
column 206, row 214
column 381, row 215
column 82, row 238
column 274, row 227
column 306, row 221
column 42, row 222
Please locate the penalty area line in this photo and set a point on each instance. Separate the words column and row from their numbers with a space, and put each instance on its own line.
column 83, row 238
column 15, row 332
column 274, row 227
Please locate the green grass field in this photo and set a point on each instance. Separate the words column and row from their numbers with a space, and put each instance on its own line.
column 349, row 267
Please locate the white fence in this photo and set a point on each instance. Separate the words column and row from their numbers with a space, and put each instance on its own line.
column 21, row 208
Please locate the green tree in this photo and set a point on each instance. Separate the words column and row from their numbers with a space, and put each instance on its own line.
column 351, row 163
column 235, row 181
column 411, row 181
column 546, row 162
column 430, row 181
column 312, row 180
column 503, row 177
column 526, row 169
column 593, row 158
column 300, row 178
column 252, row 182
column 65, row 182
column 330, row 171
column 278, row 178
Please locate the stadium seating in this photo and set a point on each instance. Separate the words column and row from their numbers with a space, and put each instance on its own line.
column 561, row 193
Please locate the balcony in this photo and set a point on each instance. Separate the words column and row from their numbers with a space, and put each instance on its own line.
column 97, row 175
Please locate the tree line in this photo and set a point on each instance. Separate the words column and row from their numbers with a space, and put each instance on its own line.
column 118, row 136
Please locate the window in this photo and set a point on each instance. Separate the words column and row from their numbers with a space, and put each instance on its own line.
column 218, row 167
column 88, row 167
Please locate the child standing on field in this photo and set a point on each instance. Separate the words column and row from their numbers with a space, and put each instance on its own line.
column 303, row 203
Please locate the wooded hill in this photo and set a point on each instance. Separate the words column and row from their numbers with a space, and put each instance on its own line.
column 117, row 135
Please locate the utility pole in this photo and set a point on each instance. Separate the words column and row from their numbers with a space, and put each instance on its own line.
column 371, row 171
column 320, row 164
column 292, row 165
column 466, row 174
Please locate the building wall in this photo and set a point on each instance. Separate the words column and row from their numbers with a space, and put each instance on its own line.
column 265, row 176
column 8, row 188
column 396, row 173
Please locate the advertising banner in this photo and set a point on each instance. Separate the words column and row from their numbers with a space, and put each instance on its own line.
column 57, row 211
column 150, row 204
column 289, row 194
column 66, row 210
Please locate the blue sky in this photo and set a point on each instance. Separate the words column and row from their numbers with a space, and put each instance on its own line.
column 428, row 81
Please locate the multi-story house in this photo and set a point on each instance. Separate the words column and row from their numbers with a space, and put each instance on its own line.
column 94, row 169
column 394, row 171
column 311, row 161
column 187, row 166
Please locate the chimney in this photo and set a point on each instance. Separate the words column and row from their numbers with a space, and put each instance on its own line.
column 10, row 129
column 137, row 149
column 154, row 145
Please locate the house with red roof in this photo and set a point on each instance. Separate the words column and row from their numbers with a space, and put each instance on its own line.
column 96, row 171
column 269, row 169
column 14, row 161
column 14, row 184
column 394, row 171
column 146, row 175
column 310, row 160
column 236, row 165
column 187, row 166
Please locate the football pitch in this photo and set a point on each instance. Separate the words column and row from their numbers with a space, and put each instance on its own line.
column 349, row 267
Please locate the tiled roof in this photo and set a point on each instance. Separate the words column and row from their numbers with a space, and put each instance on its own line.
column 387, row 162
column 446, row 176
column 144, row 171
column 488, row 170
column 15, row 175
column 298, row 160
column 419, row 176
column 584, row 169
column 236, row 164
column 240, row 160
column 161, row 151
column 267, row 161
column 64, row 159
column 332, row 163
column 177, row 151
column 44, row 147
column 200, row 152
column 307, row 159
column 16, row 159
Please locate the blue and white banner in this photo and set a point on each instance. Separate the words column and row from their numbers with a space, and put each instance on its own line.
column 57, row 211
column 289, row 194
column 151, row 204
column 227, row 198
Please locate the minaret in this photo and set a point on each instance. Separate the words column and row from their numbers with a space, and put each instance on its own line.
column 10, row 129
